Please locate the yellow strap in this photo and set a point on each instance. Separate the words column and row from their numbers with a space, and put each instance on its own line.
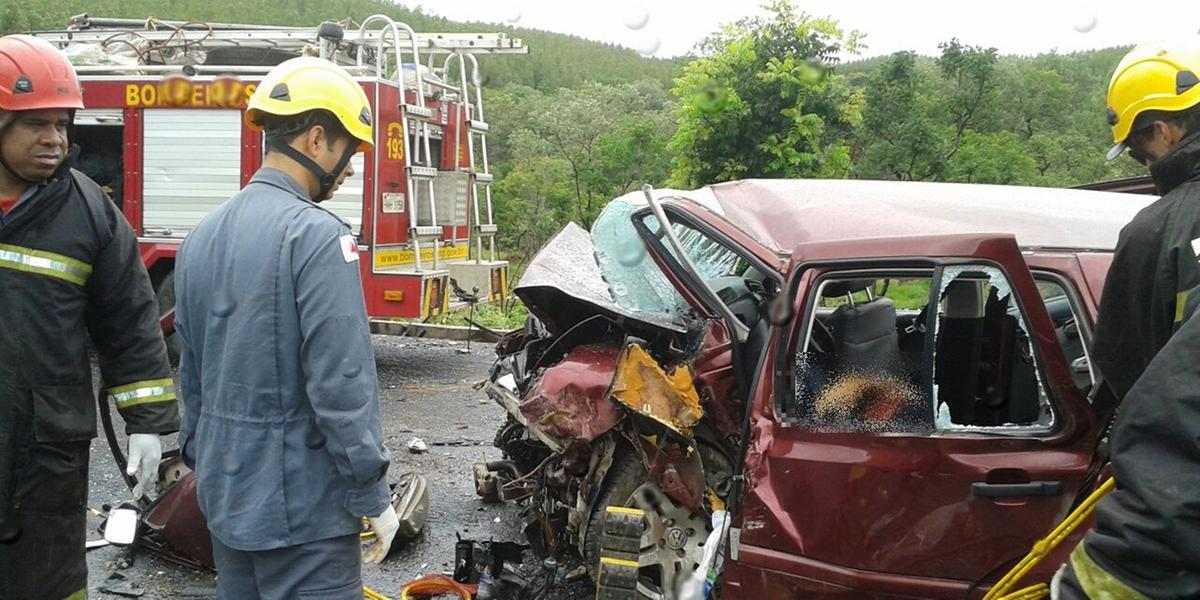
column 1033, row 592
column 40, row 262
column 371, row 594
column 1181, row 305
column 1049, row 543
column 142, row 392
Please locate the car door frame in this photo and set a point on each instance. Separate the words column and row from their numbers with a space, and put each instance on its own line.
column 759, row 568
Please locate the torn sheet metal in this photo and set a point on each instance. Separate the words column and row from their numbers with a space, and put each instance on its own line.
column 176, row 516
column 563, row 284
column 677, row 470
column 642, row 385
column 410, row 499
column 569, row 402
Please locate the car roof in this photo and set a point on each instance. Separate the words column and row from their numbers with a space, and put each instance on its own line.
column 785, row 213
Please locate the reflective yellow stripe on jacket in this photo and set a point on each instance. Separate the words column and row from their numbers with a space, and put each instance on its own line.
column 1097, row 582
column 40, row 262
column 142, row 392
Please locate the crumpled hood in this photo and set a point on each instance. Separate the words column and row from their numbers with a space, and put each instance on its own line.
column 564, row 285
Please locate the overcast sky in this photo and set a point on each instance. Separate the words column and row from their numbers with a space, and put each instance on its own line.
column 666, row 28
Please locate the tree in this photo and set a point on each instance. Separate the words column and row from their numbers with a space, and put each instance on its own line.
column 561, row 156
column 634, row 153
column 532, row 199
column 969, row 71
column 900, row 137
column 762, row 101
column 15, row 17
column 1001, row 158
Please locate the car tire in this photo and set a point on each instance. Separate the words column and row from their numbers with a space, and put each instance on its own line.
column 626, row 481
column 624, row 477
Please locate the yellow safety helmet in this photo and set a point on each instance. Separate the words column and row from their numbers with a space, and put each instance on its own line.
column 1152, row 77
column 306, row 83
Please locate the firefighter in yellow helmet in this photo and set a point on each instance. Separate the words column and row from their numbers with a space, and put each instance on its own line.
column 1146, row 542
column 277, row 373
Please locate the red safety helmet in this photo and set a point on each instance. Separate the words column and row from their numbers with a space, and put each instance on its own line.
column 34, row 75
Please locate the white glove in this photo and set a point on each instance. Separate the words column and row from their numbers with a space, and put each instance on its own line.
column 385, row 527
column 145, row 452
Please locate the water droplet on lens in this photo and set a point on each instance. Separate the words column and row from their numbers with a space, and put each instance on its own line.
column 649, row 47
column 1085, row 22
column 636, row 18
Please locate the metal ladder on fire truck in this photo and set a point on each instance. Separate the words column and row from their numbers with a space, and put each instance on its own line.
column 419, row 166
column 480, row 280
column 483, row 222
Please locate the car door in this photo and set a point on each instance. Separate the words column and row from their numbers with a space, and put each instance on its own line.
column 926, row 475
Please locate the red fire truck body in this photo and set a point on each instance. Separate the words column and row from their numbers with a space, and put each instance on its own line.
column 175, row 146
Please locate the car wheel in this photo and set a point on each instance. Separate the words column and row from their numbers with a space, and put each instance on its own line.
column 673, row 541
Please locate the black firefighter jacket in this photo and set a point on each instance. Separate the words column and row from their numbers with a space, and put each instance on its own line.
column 1147, row 347
column 70, row 269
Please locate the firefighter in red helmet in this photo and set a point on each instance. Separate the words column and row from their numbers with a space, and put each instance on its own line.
column 69, row 272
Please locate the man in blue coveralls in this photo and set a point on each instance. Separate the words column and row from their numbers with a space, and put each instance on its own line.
column 277, row 373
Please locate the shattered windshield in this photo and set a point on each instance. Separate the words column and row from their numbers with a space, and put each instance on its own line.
column 634, row 279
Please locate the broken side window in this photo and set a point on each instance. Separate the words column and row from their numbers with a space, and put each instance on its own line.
column 985, row 368
column 871, row 362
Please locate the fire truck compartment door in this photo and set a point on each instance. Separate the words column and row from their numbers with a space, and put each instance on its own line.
column 192, row 163
column 450, row 193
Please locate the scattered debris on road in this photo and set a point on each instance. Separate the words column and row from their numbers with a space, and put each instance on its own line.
column 418, row 446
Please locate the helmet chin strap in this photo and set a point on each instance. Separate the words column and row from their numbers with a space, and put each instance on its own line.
column 326, row 179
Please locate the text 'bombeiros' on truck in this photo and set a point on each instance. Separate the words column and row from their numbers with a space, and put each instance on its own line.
column 162, row 129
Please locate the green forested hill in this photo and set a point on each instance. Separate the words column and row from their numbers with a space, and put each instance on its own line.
column 555, row 60
column 575, row 122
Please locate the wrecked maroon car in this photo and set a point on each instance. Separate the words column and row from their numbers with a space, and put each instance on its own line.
column 884, row 384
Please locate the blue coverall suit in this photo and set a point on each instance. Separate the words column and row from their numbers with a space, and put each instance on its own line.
column 278, row 382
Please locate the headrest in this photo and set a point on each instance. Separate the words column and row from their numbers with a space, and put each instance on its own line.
column 964, row 300
column 843, row 287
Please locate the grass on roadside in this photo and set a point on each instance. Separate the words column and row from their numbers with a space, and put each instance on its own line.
column 505, row 316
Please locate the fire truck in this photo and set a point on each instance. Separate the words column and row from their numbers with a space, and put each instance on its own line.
column 162, row 129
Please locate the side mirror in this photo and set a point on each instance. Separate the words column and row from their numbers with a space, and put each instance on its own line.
column 780, row 310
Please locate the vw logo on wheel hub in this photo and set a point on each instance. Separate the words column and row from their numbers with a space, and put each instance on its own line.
column 676, row 538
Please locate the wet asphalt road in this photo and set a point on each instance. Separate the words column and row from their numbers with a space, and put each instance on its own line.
column 426, row 391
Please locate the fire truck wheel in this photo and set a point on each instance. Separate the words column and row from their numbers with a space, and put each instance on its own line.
column 166, row 301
